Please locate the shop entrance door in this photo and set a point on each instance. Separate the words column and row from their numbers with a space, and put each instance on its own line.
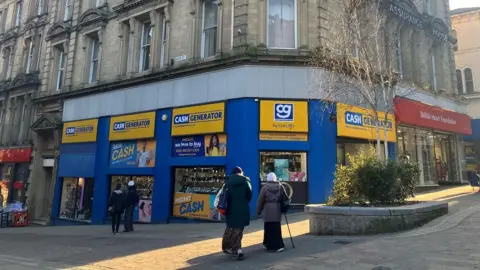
column 445, row 158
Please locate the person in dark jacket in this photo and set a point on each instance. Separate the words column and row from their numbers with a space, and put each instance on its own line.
column 269, row 203
column 239, row 192
column 130, row 203
column 116, row 206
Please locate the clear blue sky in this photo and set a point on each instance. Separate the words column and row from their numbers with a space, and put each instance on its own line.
column 454, row 4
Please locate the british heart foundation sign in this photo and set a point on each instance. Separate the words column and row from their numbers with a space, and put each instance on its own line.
column 422, row 115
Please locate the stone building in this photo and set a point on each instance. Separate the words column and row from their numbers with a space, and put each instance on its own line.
column 23, row 25
column 466, row 21
column 108, row 58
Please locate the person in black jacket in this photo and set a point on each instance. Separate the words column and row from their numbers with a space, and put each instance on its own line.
column 130, row 203
column 116, row 206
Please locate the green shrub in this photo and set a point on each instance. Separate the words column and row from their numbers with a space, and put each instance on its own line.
column 367, row 179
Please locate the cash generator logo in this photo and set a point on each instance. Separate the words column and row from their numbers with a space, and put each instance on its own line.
column 283, row 112
column 122, row 126
column 73, row 131
column 192, row 118
column 360, row 120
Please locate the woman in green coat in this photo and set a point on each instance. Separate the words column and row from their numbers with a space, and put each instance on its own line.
column 238, row 212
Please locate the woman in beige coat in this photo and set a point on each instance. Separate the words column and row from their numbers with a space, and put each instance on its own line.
column 269, row 203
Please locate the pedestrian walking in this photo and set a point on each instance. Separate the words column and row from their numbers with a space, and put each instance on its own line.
column 237, row 214
column 270, row 204
column 130, row 203
column 116, row 207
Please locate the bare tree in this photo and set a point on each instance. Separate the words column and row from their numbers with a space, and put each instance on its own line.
column 359, row 63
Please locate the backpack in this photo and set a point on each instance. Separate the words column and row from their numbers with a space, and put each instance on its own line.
column 221, row 200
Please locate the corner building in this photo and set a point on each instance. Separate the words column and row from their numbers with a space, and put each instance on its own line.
column 174, row 94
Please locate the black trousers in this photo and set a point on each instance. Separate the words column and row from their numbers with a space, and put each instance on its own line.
column 116, row 217
column 129, row 218
column 272, row 236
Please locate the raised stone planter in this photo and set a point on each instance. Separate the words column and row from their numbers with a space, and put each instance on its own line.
column 337, row 220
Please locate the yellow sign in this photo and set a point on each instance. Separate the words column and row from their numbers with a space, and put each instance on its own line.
column 283, row 116
column 283, row 136
column 357, row 122
column 202, row 119
column 134, row 126
column 191, row 205
column 80, row 131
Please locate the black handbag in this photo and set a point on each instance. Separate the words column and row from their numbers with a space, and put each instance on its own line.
column 284, row 201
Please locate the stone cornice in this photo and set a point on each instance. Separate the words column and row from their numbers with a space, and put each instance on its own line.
column 128, row 5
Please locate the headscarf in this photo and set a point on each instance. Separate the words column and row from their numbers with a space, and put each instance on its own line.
column 237, row 170
column 271, row 177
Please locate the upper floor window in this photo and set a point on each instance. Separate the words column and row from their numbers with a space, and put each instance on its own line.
column 40, row 7
column 68, row 10
column 29, row 55
column 94, row 59
column 99, row 3
column 455, row 46
column 433, row 70
column 209, row 28
column 18, row 13
column 7, row 62
column 398, row 55
column 353, row 41
column 459, row 81
column 164, row 42
column 469, row 85
column 282, row 24
column 145, row 46
column 61, row 59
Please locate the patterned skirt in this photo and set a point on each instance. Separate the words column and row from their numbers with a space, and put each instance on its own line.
column 232, row 239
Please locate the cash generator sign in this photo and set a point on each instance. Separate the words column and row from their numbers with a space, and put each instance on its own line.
column 134, row 126
column 360, row 123
column 202, row 119
column 80, row 131
column 283, row 116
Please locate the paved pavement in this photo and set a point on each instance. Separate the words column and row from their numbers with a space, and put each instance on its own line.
column 449, row 242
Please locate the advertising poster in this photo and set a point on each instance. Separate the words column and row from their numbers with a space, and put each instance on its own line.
column 214, row 145
column 143, row 212
column 191, row 205
column 470, row 157
column 131, row 154
column 284, row 116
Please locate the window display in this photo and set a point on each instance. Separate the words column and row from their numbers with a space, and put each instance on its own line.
column 77, row 199
column 291, row 171
column 195, row 191
column 345, row 149
column 144, row 185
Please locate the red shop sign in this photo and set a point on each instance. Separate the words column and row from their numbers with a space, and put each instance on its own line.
column 422, row 115
column 15, row 155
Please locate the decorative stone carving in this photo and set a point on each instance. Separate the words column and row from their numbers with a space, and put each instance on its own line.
column 93, row 16
column 58, row 29
column 128, row 5
column 46, row 121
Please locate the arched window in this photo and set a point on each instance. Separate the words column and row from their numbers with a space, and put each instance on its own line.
column 459, row 81
column 455, row 46
column 469, row 80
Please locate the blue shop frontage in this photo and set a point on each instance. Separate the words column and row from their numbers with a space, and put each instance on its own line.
column 179, row 157
column 471, row 150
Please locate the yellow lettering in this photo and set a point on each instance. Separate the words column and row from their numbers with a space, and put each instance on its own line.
column 115, row 155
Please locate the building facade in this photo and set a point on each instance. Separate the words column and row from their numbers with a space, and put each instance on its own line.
column 23, row 25
column 154, row 91
column 467, row 55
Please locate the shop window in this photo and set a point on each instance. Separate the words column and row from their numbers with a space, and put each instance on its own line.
column 351, row 149
column 291, row 170
column 195, row 189
column 21, row 178
column 282, row 24
column 77, row 199
column 144, row 185
column 445, row 158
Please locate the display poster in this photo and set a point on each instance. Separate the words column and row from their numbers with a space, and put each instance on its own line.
column 133, row 154
column 80, row 131
column 143, row 211
column 357, row 122
column 133, row 126
column 202, row 119
column 284, row 116
column 283, row 136
column 213, row 145
column 198, row 206
column 470, row 158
